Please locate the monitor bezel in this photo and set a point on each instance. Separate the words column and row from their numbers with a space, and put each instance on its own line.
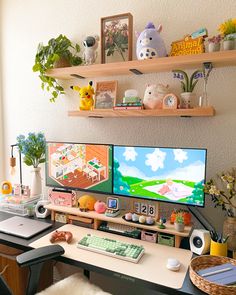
column 163, row 201
column 73, row 188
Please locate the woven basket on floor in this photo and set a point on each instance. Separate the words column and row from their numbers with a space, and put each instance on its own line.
column 206, row 261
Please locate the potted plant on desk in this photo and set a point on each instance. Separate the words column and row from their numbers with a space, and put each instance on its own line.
column 179, row 222
column 214, row 43
column 187, row 85
column 57, row 53
column 33, row 148
column 223, row 194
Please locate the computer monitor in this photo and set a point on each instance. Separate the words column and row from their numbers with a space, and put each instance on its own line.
column 175, row 175
column 79, row 166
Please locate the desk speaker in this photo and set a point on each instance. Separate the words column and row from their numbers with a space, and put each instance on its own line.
column 40, row 211
column 200, row 241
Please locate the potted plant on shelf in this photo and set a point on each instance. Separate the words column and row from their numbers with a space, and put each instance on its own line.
column 186, row 215
column 223, row 194
column 33, row 148
column 187, row 85
column 228, row 42
column 59, row 52
column 228, row 29
column 214, row 43
column 179, row 222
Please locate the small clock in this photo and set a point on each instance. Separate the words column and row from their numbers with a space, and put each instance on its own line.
column 170, row 101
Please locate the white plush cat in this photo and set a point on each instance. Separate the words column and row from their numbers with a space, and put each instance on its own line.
column 153, row 95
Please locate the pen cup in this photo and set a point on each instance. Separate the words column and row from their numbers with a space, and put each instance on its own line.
column 218, row 249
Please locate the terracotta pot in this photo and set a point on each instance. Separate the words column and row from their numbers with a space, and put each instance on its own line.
column 229, row 229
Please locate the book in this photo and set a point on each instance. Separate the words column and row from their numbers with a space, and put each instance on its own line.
column 224, row 274
column 127, row 108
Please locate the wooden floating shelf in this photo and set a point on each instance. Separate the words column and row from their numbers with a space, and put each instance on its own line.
column 105, row 113
column 163, row 64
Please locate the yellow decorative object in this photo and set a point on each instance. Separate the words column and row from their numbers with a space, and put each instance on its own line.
column 187, row 46
column 228, row 27
column 86, row 96
column 218, row 249
column 86, row 202
column 6, row 187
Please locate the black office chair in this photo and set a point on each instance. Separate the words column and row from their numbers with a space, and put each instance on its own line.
column 34, row 259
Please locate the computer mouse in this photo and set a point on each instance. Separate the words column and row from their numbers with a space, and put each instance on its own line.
column 173, row 264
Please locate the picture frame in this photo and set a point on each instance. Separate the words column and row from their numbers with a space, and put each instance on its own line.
column 105, row 94
column 116, row 38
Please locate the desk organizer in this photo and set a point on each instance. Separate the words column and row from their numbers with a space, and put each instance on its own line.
column 18, row 208
column 205, row 261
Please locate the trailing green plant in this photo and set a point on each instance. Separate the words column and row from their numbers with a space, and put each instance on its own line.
column 46, row 57
column 188, row 83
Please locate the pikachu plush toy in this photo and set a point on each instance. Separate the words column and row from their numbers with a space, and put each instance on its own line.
column 86, row 96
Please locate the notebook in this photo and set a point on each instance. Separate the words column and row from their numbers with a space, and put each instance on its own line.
column 23, row 227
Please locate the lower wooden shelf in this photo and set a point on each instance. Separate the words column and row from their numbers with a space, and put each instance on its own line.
column 97, row 218
column 109, row 113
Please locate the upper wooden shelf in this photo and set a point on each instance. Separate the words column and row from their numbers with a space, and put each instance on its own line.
column 108, row 113
column 163, row 64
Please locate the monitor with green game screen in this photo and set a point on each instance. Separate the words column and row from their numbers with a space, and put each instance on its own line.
column 79, row 166
column 175, row 175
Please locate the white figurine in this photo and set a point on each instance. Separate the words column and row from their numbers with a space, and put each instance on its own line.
column 90, row 45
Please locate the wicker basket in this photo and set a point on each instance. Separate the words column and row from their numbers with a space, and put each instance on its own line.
column 206, row 261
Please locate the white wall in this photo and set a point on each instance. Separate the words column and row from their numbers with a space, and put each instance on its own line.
column 26, row 108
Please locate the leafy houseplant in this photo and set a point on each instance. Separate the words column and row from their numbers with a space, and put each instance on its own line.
column 179, row 222
column 57, row 49
column 187, row 85
column 224, row 195
column 33, row 148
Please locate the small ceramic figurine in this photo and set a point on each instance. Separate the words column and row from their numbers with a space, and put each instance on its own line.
column 86, row 96
column 153, row 95
column 90, row 46
column 162, row 221
column 150, row 44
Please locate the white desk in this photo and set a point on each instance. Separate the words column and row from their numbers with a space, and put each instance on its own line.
column 151, row 268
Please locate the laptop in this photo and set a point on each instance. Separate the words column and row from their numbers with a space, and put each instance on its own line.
column 23, row 227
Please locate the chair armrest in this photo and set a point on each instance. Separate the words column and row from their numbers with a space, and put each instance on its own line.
column 39, row 255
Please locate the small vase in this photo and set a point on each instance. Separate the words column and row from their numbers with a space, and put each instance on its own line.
column 229, row 229
column 228, row 45
column 213, row 47
column 36, row 184
column 179, row 227
column 187, row 100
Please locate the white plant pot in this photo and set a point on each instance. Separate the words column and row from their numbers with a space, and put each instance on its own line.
column 234, row 36
column 36, row 182
column 179, row 227
column 213, row 47
column 228, row 45
column 187, row 100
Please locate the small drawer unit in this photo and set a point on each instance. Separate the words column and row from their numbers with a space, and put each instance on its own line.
column 149, row 236
column 166, row 239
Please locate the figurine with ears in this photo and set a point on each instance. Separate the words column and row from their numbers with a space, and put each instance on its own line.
column 154, row 95
column 90, row 46
column 86, row 96
column 150, row 44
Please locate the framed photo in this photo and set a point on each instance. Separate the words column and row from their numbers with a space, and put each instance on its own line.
column 116, row 38
column 105, row 95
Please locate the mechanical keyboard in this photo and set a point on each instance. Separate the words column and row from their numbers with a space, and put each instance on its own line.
column 123, row 229
column 125, row 251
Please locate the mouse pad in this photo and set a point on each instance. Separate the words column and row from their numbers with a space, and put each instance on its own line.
column 151, row 267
